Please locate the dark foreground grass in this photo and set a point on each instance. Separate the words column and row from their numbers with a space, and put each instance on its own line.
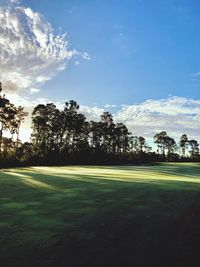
column 100, row 216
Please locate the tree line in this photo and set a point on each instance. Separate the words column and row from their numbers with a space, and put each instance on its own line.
column 66, row 137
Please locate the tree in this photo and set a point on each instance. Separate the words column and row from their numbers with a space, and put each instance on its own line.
column 107, row 132
column 165, row 144
column 73, row 125
column 25, row 152
column 19, row 118
column 134, row 144
column 95, row 135
column 160, row 140
column 123, row 138
column 194, row 146
column 11, row 118
column 183, row 144
column 142, row 143
column 42, row 125
column 170, row 145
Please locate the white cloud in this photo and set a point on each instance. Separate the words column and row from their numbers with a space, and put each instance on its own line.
column 34, row 90
column 86, row 56
column 91, row 113
column 17, row 2
column 176, row 115
column 110, row 106
column 30, row 52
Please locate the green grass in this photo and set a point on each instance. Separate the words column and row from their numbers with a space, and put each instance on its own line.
column 100, row 216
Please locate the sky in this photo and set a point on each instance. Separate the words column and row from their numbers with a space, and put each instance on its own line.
column 138, row 59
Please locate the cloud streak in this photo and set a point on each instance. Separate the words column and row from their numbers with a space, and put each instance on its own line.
column 30, row 52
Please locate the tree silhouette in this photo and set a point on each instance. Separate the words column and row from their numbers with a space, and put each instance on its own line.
column 183, row 144
column 11, row 118
column 160, row 140
column 61, row 136
column 194, row 146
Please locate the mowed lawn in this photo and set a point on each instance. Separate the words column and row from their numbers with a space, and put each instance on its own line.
column 100, row 216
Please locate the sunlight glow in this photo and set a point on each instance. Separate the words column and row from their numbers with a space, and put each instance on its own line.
column 111, row 173
column 32, row 182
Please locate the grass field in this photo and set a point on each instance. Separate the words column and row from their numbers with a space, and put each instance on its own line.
column 100, row 216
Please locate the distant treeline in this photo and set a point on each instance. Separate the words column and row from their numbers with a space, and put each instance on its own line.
column 66, row 137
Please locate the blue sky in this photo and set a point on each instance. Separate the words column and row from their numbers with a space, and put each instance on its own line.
column 139, row 49
column 138, row 59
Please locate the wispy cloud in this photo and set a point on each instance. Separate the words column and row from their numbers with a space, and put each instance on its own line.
column 31, row 53
column 176, row 115
column 110, row 106
column 196, row 74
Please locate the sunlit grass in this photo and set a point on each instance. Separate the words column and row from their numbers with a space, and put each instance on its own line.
column 30, row 181
column 38, row 205
column 162, row 172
